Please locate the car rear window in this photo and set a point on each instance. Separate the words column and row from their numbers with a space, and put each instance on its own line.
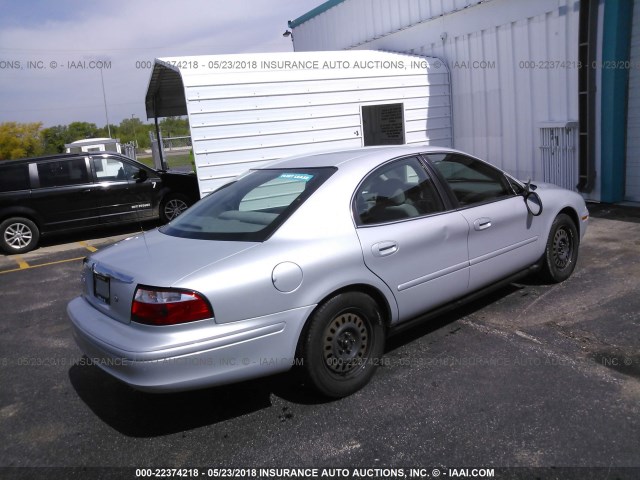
column 14, row 177
column 251, row 208
column 63, row 172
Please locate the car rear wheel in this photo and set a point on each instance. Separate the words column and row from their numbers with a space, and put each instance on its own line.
column 173, row 205
column 18, row 235
column 343, row 344
column 561, row 252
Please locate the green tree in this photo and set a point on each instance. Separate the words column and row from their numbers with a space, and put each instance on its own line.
column 174, row 127
column 19, row 140
column 105, row 131
column 132, row 130
column 81, row 130
column 54, row 139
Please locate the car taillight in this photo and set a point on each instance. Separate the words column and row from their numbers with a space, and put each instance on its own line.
column 168, row 306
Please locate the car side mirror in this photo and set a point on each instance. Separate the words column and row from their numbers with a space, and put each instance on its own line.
column 141, row 176
column 532, row 200
column 534, row 203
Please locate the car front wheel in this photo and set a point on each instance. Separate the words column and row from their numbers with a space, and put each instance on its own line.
column 19, row 235
column 343, row 344
column 172, row 206
column 561, row 252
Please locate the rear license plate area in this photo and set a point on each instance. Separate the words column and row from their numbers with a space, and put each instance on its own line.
column 102, row 287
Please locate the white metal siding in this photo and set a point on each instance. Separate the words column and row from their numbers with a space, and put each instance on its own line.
column 246, row 117
column 632, row 188
column 499, row 54
column 355, row 22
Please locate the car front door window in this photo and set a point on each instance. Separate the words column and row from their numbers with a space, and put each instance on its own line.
column 471, row 181
column 112, row 169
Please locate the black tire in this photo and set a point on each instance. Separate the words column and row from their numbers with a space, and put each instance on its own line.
column 173, row 204
column 561, row 252
column 18, row 235
column 342, row 345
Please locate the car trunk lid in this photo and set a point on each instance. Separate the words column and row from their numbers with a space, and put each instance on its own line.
column 110, row 276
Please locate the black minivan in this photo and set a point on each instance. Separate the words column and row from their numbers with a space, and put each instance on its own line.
column 73, row 191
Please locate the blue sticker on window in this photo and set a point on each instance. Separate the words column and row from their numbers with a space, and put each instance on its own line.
column 305, row 177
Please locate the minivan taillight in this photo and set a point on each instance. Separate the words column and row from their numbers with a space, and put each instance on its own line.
column 168, row 306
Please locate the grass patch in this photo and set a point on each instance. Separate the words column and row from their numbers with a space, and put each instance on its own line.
column 173, row 161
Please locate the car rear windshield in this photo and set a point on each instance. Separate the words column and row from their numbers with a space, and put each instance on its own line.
column 251, row 208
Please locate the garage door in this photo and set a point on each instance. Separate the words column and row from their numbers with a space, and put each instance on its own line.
column 632, row 190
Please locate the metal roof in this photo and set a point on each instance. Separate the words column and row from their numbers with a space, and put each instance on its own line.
column 313, row 13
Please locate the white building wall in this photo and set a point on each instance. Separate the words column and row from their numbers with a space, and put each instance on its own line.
column 513, row 64
column 355, row 22
column 250, row 109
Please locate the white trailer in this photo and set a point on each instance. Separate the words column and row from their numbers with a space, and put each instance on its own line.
column 94, row 145
column 249, row 109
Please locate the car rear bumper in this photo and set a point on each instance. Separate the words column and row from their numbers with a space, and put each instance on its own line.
column 187, row 357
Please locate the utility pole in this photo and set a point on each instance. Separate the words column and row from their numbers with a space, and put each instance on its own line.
column 133, row 126
column 104, row 97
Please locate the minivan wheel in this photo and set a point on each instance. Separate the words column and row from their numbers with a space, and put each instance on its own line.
column 343, row 344
column 18, row 235
column 561, row 252
column 173, row 205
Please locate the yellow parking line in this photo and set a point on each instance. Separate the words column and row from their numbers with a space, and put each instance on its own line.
column 42, row 265
column 21, row 262
column 88, row 247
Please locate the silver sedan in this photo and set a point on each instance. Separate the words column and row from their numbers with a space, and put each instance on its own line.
column 311, row 262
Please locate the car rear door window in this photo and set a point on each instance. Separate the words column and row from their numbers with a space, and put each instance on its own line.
column 396, row 191
column 63, row 172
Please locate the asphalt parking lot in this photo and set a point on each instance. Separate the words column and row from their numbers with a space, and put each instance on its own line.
column 533, row 377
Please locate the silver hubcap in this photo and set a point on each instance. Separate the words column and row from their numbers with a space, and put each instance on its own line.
column 345, row 343
column 18, row 235
column 562, row 248
column 173, row 208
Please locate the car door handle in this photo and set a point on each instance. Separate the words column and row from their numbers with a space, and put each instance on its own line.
column 382, row 249
column 482, row 223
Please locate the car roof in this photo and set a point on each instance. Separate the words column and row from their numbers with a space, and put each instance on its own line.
column 57, row 156
column 354, row 157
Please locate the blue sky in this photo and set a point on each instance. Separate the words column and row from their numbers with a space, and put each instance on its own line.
column 49, row 51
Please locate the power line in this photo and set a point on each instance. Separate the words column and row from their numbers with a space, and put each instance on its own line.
column 68, row 107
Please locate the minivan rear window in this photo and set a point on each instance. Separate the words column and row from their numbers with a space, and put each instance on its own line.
column 63, row 172
column 14, row 177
